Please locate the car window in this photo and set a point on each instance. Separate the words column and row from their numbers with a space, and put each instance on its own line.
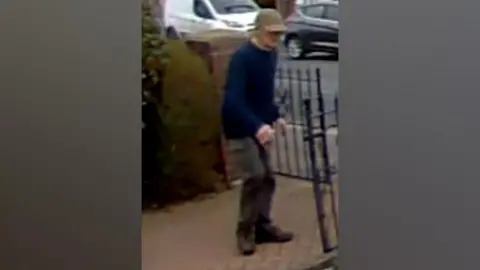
column 233, row 6
column 201, row 9
column 314, row 11
column 331, row 13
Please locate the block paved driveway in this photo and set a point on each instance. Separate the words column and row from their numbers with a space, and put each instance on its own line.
column 199, row 235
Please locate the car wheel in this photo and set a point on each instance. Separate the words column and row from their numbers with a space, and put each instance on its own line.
column 172, row 33
column 295, row 48
column 335, row 55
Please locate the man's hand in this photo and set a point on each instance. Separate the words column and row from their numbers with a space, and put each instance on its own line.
column 265, row 134
column 281, row 124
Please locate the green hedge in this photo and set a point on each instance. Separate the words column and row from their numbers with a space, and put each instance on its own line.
column 191, row 115
column 184, row 133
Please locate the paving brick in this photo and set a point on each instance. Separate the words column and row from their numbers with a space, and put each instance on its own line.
column 200, row 235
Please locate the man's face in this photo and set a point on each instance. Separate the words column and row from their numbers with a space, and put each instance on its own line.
column 270, row 38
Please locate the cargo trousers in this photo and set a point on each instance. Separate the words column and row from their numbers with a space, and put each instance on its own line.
column 251, row 163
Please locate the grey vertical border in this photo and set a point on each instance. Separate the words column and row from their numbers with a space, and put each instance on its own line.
column 70, row 135
column 409, row 135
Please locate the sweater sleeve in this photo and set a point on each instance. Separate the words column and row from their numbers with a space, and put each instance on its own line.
column 234, row 104
column 275, row 106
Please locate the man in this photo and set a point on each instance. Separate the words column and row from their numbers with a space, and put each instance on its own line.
column 249, row 117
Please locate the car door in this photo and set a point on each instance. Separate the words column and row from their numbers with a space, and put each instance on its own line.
column 330, row 19
column 323, row 30
column 178, row 15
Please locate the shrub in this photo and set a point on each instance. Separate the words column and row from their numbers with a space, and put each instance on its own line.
column 181, row 118
column 191, row 116
column 154, row 60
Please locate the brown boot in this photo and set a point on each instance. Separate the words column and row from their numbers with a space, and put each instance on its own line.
column 268, row 233
column 246, row 242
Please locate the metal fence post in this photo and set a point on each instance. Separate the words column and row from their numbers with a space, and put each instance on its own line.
column 327, row 168
column 316, row 178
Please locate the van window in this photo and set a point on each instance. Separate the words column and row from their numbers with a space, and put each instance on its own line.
column 314, row 11
column 234, row 6
column 201, row 9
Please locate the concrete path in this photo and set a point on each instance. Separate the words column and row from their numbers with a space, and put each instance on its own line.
column 199, row 235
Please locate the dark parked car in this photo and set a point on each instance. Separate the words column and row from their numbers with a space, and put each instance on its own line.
column 312, row 28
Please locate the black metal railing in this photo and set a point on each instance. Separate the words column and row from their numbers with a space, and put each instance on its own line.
column 305, row 152
column 290, row 154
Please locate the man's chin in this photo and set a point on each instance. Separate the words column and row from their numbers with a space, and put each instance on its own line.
column 272, row 47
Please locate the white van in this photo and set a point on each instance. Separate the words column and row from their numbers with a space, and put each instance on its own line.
column 186, row 17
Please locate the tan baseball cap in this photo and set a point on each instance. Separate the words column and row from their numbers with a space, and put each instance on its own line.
column 270, row 19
